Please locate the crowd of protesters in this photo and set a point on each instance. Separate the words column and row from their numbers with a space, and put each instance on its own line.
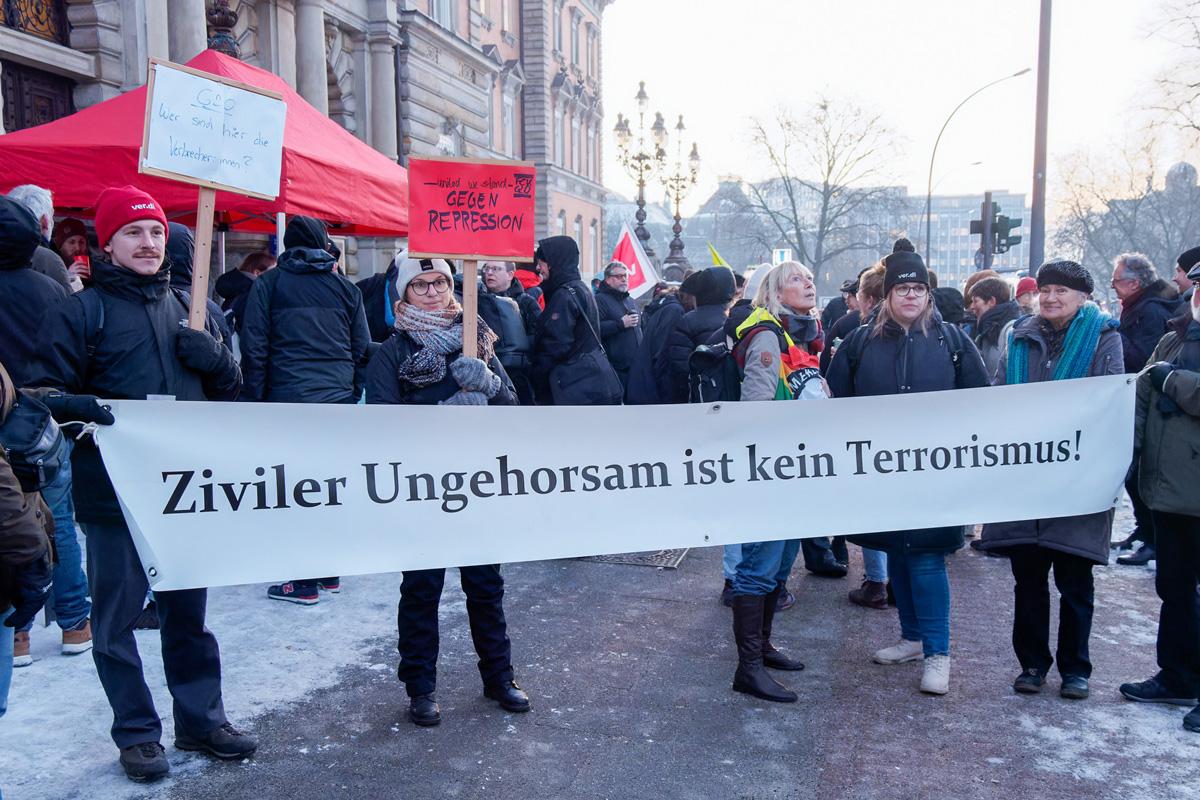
column 89, row 314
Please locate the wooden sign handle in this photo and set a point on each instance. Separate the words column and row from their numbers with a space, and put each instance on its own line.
column 471, row 309
column 205, row 209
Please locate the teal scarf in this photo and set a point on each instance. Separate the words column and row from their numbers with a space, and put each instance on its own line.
column 1079, row 348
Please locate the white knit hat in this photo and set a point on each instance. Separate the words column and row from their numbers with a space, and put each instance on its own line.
column 409, row 268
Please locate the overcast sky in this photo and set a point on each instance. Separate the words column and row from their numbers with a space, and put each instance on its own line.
column 720, row 63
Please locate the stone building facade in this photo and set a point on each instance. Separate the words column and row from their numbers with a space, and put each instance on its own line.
column 477, row 78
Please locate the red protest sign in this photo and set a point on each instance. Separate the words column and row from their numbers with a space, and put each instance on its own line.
column 471, row 209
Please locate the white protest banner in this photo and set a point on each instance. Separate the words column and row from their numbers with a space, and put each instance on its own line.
column 261, row 492
column 213, row 132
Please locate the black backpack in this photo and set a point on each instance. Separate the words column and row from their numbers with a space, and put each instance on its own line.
column 34, row 445
column 714, row 375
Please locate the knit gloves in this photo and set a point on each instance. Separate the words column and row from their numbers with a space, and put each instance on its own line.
column 473, row 375
column 1159, row 372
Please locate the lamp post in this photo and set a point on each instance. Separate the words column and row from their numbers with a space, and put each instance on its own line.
column 678, row 181
column 933, row 156
column 639, row 161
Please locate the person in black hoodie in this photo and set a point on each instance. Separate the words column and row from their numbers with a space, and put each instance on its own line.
column 379, row 300
column 620, row 328
column 234, row 287
column 713, row 289
column 25, row 295
column 569, row 362
column 658, row 320
column 303, row 339
column 123, row 338
column 181, row 250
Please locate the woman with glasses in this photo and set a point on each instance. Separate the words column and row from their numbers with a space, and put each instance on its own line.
column 423, row 364
column 908, row 348
column 779, row 343
column 1070, row 337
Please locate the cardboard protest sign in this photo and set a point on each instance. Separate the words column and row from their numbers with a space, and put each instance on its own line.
column 471, row 209
column 218, row 134
column 211, row 131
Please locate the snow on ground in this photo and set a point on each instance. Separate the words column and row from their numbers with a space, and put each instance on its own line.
column 54, row 740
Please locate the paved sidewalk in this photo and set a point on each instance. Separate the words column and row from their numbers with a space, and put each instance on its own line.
column 629, row 670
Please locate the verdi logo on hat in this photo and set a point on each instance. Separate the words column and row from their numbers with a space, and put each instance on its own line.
column 903, row 266
column 117, row 206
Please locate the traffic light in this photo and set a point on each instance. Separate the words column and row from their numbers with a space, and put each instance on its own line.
column 977, row 224
column 1002, row 230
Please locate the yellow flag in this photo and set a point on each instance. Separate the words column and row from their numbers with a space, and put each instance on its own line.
column 716, row 257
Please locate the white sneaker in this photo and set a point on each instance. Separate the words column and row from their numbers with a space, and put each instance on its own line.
column 936, row 678
column 899, row 653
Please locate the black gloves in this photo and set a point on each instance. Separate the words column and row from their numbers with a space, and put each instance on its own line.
column 77, row 408
column 33, row 583
column 1159, row 372
column 199, row 351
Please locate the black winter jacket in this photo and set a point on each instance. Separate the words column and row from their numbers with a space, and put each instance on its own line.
column 842, row 328
column 384, row 386
column 25, row 295
column 658, row 320
column 181, row 249
column 234, row 288
column 620, row 343
column 305, row 332
column 704, row 325
column 834, row 310
column 379, row 301
column 896, row 362
column 1144, row 321
column 133, row 356
column 531, row 312
column 570, row 325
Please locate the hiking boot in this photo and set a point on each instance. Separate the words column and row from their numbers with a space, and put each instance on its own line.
column 21, row 657
column 936, row 677
column 1191, row 722
column 1138, row 558
column 828, row 566
column 423, row 710
column 786, row 599
column 292, row 592
column 144, row 762
column 1030, row 681
column 751, row 677
column 727, row 594
column 148, row 619
column 1074, row 687
column 1155, row 691
column 900, row 653
column 78, row 639
column 224, row 742
column 510, row 696
column 331, row 585
column 771, row 657
column 872, row 594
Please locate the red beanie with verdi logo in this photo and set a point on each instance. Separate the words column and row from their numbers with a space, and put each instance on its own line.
column 117, row 206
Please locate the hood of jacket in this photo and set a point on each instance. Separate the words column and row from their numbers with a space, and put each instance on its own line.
column 561, row 253
column 130, row 285
column 181, row 249
column 19, row 235
column 994, row 319
column 949, row 303
column 1157, row 293
column 234, row 284
column 300, row 260
column 711, row 286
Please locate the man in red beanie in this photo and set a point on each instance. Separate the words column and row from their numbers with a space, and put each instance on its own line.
column 1027, row 295
column 125, row 337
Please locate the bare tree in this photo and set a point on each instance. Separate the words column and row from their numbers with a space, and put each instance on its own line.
column 1125, row 206
column 1179, row 85
column 829, row 193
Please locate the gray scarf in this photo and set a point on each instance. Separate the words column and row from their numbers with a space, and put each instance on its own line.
column 440, row 333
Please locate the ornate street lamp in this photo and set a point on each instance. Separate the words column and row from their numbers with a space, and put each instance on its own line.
column 642, row 163
column 678, row 182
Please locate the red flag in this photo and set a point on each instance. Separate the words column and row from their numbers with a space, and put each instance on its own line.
column 642, row 276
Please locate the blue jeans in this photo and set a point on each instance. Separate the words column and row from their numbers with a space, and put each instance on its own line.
column 70, row 591
column 729, row 561
column 922, row 590
column 6, row 657
column 764, row 565
column 875, row 564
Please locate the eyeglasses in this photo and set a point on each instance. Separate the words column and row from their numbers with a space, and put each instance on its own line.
column 1115, row 281
column 421, row 288
column 621, row 275
column 494, row 268
column 914, row 289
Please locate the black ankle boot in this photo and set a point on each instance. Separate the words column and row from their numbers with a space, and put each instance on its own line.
column 751, row 678
column 771, row 657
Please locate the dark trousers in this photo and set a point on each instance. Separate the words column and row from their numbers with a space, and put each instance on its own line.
column 1031, row 566
column 191, row 659
column 417, row 621
column 814, row 550
column 1143, row 517
column 1178, row 583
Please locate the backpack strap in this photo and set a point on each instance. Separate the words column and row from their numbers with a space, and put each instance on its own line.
column 93, row 323
column 854, row 345
column 956, row 343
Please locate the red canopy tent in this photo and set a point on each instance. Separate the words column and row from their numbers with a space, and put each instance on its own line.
column 327, row 173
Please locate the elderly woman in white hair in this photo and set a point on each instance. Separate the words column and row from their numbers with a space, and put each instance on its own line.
column 423, row 364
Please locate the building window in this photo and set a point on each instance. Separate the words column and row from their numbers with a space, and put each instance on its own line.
column 576, row 150
column 442, row 12
column 505, row 15
column 579, row 239
column 557, row 10
column 562, row 223
column 595, row 234
column 46, row 19
column 560, row 139
column 591, row 151
column 574, row 39
column 510, row 127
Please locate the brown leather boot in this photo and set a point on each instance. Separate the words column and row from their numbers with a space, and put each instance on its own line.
column 751, row 678
column 772, row 658
column 872, row 594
